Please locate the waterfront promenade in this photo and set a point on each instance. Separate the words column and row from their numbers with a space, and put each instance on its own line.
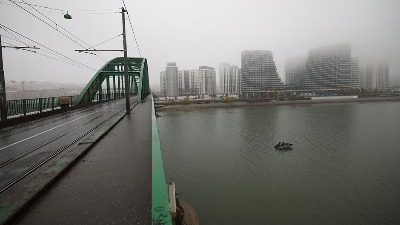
column 256, row 102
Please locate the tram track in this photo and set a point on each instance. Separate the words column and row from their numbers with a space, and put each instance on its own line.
column 8, row 162
column 54, row 118
column 46, row 154
column 48, row 130
column 34, row 127
column 46, row 159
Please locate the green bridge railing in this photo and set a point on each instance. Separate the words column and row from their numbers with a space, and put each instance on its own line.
column 111, row 76
column 159, row 200
column 26, row 107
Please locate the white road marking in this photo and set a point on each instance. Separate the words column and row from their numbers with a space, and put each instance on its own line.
column 55, row 127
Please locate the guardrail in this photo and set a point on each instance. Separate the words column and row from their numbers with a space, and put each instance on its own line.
column 159, row 201
column 25, row 107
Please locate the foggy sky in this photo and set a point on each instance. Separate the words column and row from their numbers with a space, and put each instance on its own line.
column 194, row 33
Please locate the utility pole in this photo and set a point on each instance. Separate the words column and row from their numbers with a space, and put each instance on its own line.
column 3, row 101
column 127, row 94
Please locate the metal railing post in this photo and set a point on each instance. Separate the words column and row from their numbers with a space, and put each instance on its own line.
column 108, row 88
column 40, row 105
column 24, row 106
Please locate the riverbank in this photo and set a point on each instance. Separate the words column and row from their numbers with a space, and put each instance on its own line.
column 193, row 105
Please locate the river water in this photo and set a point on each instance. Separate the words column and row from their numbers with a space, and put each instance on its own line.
column 344, row 167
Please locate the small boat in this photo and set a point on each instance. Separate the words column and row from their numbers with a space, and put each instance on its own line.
column 283, row 146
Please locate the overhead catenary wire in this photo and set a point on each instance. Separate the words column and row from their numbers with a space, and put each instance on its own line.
column 49, row 52
column 57, row 59
column 44, row 7
column 28, row 50
column 7, row 43
column 58, row 26
column 102, row 57
column 13, row 35
column 57, row 53
column 105, row 41
column 137, row 45
column 14, row 39
column 25, row 43
column 64, row 61
column 64, row 10
column 17, row 47
column 60, row 60
column 55, row 28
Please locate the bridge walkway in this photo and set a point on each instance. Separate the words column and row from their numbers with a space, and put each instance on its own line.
column 111, row 184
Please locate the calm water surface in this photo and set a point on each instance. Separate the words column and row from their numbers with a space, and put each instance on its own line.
column 344, row 168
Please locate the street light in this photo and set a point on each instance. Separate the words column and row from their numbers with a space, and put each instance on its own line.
column 67, row 16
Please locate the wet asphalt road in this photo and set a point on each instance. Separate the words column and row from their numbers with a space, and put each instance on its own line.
column 111, row 184
column 24, row 145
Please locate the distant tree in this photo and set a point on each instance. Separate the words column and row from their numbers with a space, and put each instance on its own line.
column 186, row 100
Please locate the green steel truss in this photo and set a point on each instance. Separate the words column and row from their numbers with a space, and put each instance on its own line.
column 113, row 72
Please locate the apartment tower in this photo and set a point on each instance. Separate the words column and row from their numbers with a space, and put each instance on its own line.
column 228, row 79
column 328, row 67
column 258, row 73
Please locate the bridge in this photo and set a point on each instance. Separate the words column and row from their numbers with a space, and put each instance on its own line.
column 87, row 160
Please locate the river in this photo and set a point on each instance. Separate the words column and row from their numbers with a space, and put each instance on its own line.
column 344, row 167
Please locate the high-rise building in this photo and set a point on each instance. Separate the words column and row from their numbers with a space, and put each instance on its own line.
column 193, row 82
column 375, row 75
column 228, row 79
column 171, row 73
column 202, row 81
column 183, row 82
column 240, row 81
column 355, row 72
column 258, row 72
column 328, row 67
column 294, row 68
column 206, row 81
column 383, row 75
column 163, row 84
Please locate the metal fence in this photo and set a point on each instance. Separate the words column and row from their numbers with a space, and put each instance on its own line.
column 24, row 107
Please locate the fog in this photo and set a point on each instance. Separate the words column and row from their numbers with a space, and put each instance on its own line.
column 194, row 33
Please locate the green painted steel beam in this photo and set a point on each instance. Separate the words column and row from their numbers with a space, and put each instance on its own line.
column 108, row 88
column 137, row 70
column 159, row 194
